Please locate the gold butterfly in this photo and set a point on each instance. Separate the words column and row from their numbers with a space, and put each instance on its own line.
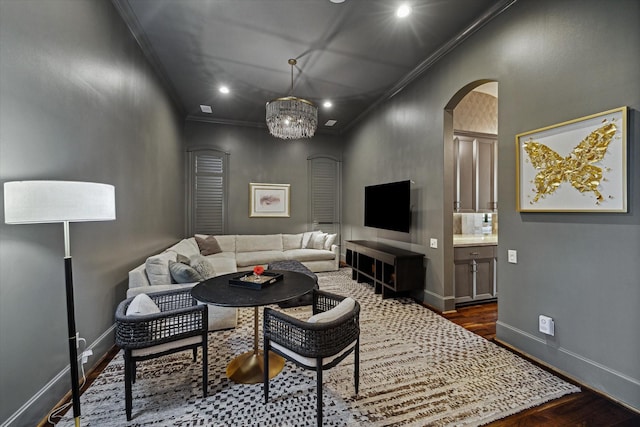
column 577, row 168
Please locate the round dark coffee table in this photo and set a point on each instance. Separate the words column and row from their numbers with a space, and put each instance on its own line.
column 248, row 368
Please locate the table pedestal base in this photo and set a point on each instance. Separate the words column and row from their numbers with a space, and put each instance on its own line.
column 248, row 368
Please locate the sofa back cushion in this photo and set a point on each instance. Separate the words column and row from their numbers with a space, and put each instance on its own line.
column 291, row 241
column 227, row 242
column 258, row 242
column 157, row 267
column 186, row 247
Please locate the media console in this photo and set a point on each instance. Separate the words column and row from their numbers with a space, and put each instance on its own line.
column 389, row 269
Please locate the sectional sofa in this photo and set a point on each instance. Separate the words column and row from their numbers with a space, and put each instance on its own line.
column 216, row 255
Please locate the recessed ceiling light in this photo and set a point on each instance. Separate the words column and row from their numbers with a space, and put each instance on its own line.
column 223, row 89
column 403, row 11
column 337, row 1
column 331, row 122
column 206, row 109
column 327, row 104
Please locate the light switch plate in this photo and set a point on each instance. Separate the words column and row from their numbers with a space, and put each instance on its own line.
column 512, row 256
column 433, row 243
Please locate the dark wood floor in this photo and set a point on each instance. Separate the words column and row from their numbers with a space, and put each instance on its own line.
column 579, row 409
column 583, row 409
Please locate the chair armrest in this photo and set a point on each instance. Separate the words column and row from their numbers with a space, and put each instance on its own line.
column 325, row 301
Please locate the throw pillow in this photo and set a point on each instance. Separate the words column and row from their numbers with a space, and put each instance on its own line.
column 142, row 305
column 157, row 268
column 329, row 241
column 306, row 236
column 345, row 306
column 317, row 241
column 182, row 273
column 202, row 266
column 182, row 259
column 208, row 246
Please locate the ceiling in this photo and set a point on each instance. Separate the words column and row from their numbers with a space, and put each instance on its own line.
column 356, row 53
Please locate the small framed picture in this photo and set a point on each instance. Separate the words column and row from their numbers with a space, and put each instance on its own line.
column 268, row 200
column 575, row 166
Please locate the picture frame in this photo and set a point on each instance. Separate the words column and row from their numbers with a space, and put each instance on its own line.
column 575, row 166
column 269, row 200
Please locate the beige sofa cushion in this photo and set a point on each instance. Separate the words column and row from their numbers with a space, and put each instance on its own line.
column 244, row 259
column 253, row 243
column 157, row 268
column 309, row 255
column 227, row 242
column 186, row 247
column 291, row 241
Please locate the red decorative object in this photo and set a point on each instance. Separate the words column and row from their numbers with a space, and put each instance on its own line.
column 258, row 270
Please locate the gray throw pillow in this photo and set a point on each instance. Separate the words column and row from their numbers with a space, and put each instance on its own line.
column 183, row 259
column 182, row 273
column 202, row 266
column 208, row 246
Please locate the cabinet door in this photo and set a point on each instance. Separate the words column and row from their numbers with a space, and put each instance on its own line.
column 486, row 171
column 475, row 174
column 464, row 169
column 484, row 279
column 463, row 281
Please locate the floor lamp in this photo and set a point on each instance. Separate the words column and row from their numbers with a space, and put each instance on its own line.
column 37, row 202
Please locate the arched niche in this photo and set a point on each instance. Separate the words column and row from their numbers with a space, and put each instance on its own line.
column 448, row 182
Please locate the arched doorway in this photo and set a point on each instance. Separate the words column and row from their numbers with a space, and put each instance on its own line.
column 470, row 194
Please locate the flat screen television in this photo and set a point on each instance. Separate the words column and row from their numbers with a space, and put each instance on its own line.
column 388, row 206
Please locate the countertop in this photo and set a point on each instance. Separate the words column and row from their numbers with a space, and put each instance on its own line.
column 462, row 240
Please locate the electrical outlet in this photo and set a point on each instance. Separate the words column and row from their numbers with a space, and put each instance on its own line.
column 512, row 256
column 546, row 325
column 85, row 355
column 433, row 243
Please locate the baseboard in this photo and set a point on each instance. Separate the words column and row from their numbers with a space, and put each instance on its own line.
column 438, row 302
column 38, row 407
column 603, row 380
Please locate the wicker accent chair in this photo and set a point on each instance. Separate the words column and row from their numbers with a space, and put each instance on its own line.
column 180, row 325
column 314, row 346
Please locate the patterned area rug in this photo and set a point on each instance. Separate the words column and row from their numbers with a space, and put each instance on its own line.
column 416, row 369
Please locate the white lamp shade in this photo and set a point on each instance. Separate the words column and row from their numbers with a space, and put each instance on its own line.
column 33, row 202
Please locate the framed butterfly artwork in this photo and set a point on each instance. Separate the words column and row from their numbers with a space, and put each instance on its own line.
column 575, row 166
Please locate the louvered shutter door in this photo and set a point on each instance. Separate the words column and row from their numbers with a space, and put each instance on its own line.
column 325, row 194
column 208, row 205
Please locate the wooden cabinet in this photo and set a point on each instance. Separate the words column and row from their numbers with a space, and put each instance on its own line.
column 475, row 172
column 389, row 269
column 475, row 274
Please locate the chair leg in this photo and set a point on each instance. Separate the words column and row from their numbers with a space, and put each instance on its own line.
column 195, row 354
column 319, row 392
column 127, row 383
column 356, row 372
column 133, row 371
column 205, row 369
column 265, row 375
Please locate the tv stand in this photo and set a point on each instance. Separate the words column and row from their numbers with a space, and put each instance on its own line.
column 390, row 270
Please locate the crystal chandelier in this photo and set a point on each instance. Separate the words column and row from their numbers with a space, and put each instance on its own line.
column 291, row 117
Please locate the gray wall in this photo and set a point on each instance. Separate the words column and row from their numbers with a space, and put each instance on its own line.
column 256, row 156
column 554, row 61
column 79, row 102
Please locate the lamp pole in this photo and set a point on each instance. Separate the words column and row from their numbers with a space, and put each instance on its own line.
column 71, row 325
